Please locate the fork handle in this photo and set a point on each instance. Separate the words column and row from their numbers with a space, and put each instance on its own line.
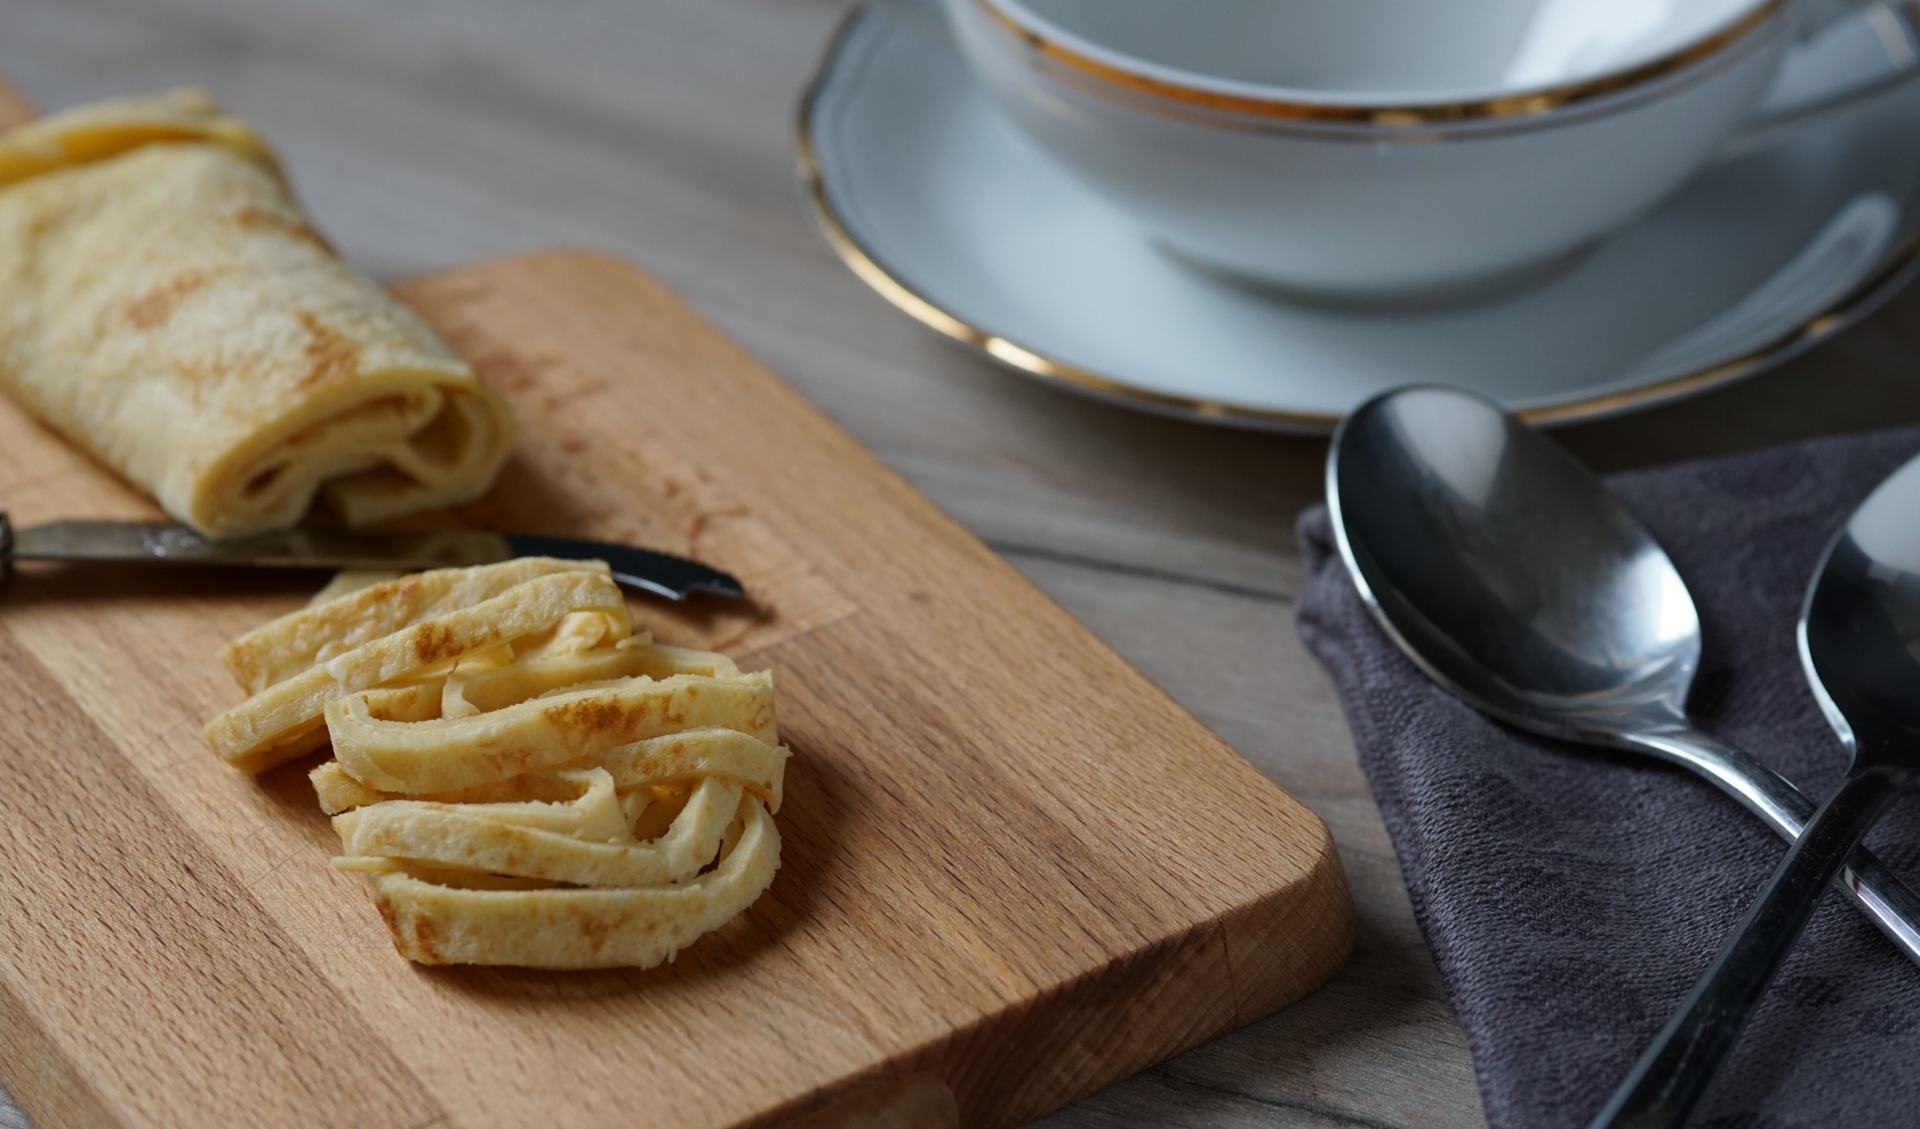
column 1887, row 901
column 1673, row 1075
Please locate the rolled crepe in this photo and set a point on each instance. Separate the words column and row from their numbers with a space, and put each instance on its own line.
column 165, row 304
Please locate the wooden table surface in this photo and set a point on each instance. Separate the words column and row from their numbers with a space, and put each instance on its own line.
column 436, row 132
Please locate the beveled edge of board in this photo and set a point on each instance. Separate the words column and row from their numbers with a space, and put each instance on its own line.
column 955, row 1082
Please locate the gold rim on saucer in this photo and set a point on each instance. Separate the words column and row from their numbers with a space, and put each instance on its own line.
column 1850, row 308
column 1523, row 103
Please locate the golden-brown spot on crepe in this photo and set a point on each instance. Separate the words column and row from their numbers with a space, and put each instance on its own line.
column 433, row 642
column 331, row 355
column 385, row 905
column 252, row 218
column 593, row 716
column 596, row 930
column 404, row 704
column 426, row 935
column 152, row 309
column 401, row 591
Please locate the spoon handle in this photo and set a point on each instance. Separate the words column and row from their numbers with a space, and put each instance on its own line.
column 1876, row 890
column 1674, row 1073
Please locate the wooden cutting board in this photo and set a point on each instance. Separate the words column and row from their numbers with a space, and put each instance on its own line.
column 1014, row 871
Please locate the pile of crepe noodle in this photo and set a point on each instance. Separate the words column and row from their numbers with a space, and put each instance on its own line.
column 165, row 305
column 521, row 779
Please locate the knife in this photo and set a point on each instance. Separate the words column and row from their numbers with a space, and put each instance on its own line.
column 660, row 573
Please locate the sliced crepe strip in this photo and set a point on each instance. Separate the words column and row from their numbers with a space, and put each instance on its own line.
column 485, row 688
column 339, row 792
column 587, row 807
column 276, row 651
column 701, row 753
column 450, row 753
column 475, row 837
column 307, row 737
column 420, row 702
column 582, row 631
column 573, row 927
column 251, row 735
column 691, row 755
column 165, row 304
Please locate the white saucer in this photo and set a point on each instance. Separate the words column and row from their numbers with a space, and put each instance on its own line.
column 943, row 206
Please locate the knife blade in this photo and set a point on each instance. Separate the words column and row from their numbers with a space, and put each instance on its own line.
column 663, row 574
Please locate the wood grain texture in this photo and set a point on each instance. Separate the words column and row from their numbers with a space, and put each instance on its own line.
column 143, row 983
column 1012, row 865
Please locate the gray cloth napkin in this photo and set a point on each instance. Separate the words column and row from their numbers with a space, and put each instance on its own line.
column 1572, row 896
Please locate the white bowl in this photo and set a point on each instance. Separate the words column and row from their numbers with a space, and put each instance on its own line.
column 1357, row 188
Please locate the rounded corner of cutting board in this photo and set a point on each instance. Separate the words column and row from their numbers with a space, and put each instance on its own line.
column 1293, row 940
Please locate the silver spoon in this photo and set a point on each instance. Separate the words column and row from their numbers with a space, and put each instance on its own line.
column 1508, row 573
column 1860, row 645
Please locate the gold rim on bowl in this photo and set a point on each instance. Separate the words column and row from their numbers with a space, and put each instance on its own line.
column 1850, row 308
column 1112, row 71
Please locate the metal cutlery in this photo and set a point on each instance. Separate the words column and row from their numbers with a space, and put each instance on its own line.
column 659, row 573
column 1508, row 573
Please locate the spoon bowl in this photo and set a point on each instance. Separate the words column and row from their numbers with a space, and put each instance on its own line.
column 1860, row 634
column 1507, row 571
